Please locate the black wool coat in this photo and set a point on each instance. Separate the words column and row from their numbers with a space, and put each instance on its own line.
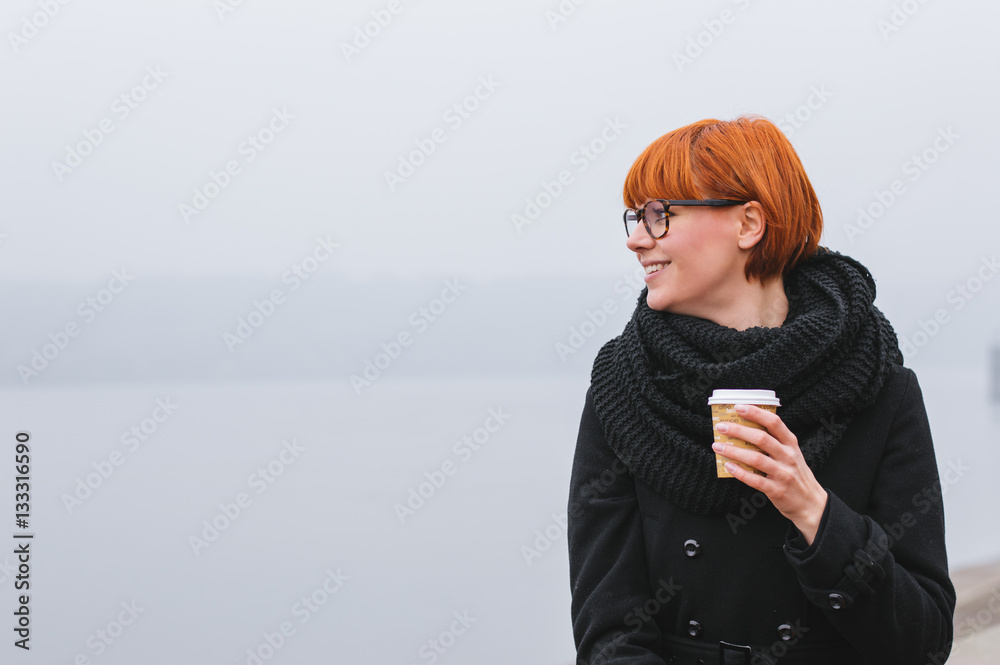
column 654, row 584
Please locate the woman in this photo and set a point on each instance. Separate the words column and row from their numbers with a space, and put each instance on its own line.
column 835, row 553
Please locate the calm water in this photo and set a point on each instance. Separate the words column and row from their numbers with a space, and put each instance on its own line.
column 453, row 570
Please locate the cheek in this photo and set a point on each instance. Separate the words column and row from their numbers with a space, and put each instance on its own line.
column 714, row 251
column 704, row 270
column 719, row 257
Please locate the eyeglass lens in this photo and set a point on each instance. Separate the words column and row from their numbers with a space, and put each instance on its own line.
column 654, row 213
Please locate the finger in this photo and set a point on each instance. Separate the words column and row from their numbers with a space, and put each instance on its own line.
column 750, row 478
column 758, row 437
column 755, row 459
column 771, row 421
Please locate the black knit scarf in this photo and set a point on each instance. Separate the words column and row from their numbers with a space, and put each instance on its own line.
column 828, row 359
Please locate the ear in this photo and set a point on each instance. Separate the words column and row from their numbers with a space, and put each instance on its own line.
column 752, row 225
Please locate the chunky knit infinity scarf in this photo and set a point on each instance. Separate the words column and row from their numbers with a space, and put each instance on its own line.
column 829, row 358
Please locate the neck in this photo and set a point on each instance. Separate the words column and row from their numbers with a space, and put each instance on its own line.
column 754, row 305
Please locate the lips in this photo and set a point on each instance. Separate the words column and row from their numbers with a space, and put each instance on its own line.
column 654, row 270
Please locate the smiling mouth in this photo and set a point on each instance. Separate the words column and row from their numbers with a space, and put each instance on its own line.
column 655, row 267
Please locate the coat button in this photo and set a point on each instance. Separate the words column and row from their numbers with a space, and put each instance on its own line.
column 836, row 601
column 694, row 628
column 692, row 548
column 785, row 632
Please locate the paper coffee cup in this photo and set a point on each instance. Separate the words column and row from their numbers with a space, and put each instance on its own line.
column 723, row 411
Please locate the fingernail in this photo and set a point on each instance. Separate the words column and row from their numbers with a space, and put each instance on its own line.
column 741, row 408
column 722, row 427
column 717, row 447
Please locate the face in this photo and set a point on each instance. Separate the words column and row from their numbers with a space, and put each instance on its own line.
column 698, row 264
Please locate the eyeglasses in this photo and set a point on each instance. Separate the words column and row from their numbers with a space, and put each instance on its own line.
column 655, row 215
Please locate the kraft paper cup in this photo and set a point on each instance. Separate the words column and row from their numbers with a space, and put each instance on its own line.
column 723, row 411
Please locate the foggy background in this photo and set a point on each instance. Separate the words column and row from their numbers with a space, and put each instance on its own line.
column 356, row 232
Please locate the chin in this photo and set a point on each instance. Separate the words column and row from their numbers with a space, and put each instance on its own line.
column 663, row 300
column 658, row 301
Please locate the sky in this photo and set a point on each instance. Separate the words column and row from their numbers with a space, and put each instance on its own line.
column 502, row 99
column 355, row 157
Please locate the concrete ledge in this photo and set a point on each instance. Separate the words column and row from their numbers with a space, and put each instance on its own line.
column 977, row 615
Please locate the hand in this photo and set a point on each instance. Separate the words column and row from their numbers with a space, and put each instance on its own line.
column 789, row 483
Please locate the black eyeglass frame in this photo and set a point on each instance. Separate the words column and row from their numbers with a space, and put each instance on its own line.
column 641, row 212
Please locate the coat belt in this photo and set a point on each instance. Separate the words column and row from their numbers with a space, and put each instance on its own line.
column 684, row 651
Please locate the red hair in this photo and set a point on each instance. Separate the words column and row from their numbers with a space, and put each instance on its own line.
column 747, row 159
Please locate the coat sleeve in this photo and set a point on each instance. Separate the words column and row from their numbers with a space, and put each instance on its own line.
column 881, row 578
column 607, row 559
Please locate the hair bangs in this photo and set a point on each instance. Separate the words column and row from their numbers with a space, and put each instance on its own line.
column 662, row 171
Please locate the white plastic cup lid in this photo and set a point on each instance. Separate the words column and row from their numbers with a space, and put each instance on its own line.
column 744, row 397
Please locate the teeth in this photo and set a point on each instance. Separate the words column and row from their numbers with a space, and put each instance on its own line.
column 654, row 267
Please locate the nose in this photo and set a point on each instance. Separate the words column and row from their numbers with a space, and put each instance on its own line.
column 640, row 238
